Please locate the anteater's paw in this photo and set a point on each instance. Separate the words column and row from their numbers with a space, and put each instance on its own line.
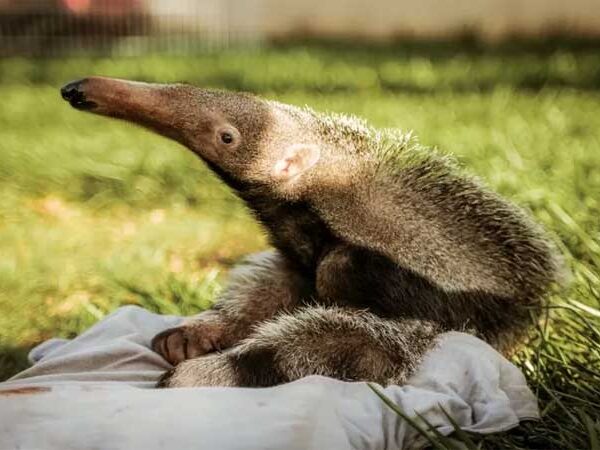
column 189, row 341
column 212, row 370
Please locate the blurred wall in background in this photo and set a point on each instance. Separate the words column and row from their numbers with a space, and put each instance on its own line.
column 133, row 26
column 488, row 19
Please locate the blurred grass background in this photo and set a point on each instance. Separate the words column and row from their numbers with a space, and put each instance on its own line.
column 95, row 214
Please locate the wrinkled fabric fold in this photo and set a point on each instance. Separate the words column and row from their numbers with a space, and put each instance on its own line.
column 95, row 391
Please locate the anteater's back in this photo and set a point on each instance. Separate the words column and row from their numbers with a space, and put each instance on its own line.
column 462, row 255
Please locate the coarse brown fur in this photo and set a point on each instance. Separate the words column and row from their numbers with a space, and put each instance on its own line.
column 379, row 243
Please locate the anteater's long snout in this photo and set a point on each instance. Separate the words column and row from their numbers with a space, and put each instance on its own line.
column 113, row 97
column 155, row 106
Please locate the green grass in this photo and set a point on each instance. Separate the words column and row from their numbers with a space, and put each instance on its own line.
column 95, row 214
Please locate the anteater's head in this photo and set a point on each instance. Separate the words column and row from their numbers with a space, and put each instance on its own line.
column 244, row 139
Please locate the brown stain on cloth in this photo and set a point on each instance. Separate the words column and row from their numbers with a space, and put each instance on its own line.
column 24, row 391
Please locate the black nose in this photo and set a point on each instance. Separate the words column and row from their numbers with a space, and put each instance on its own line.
column 74, row 93
column 72, row 90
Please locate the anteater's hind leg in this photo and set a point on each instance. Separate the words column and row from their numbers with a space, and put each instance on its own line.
column 341, row 343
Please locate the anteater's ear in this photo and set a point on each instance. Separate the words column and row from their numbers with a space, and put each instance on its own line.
column 296, row 159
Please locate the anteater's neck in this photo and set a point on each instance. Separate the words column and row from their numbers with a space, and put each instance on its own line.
column 293, row 227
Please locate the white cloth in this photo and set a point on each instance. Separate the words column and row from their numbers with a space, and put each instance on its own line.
column 92, row 392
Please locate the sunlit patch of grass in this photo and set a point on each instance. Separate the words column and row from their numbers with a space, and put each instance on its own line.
column 65, row 265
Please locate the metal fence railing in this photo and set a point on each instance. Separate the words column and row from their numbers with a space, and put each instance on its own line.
column 57, row 27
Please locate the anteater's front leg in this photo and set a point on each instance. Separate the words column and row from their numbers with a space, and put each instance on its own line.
column 258, row 289
column 342, row 343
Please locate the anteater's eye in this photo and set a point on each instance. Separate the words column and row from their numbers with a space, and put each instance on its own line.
column 226, row 137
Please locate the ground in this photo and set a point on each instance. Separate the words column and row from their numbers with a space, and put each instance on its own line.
column 95, row 214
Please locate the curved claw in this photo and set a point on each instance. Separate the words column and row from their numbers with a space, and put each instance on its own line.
column 189, row 341
column 171, row 344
